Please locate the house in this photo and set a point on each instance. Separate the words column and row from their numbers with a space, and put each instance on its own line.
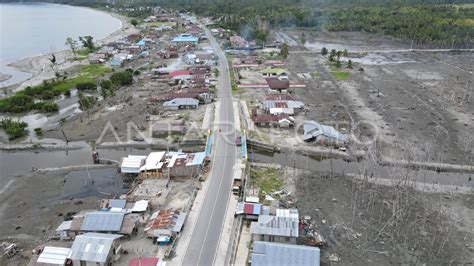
column 106, row 51
column 286, row 122
column 277, row 85
column 283, row 228
column 265, row 120
column 168, row 219
column 276, row 254
column 276, row 107
column 63, row 230
column 184, row 39
column 132, row 164
column 52, row 256
column 95, row 249
column 239, row 42
column 185, row 164
column 314, row 131
column 97, row 58
column 111, row 221
column 274, row 72
column 180, row 75
column 251, row 210
column 181, row 103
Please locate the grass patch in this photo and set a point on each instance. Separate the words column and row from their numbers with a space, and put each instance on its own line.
column 314, row 74
column 266, row 179
column 89, row 74
column 83, row 52
column 27, row 99
column 339, row 74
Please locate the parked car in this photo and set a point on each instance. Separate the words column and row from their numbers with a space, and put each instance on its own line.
column 238, row 141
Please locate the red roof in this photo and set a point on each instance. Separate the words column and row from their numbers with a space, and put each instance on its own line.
column 265, row 118
column 281, row 105
column 276, row 84
column 180, row 73
column 248, row 208
column 143, row 262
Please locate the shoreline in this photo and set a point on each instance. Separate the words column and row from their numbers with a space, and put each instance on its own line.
column 38, row 66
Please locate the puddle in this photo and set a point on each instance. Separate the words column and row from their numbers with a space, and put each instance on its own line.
column 94, row 182
column 14, row 163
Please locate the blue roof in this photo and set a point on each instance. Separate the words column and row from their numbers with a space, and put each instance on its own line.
column 198, row 159
column 141, row 43
column 185, row 38
column 269, row 253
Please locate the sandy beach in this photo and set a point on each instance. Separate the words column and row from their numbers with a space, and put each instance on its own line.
column 39, row 66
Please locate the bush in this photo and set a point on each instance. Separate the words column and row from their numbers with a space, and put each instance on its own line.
column 136, row 72
column 122, row 78
column 89, row 86
column 39, row 131
column 14, row 129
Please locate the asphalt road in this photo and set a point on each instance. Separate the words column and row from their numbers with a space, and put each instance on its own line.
column 202, row 248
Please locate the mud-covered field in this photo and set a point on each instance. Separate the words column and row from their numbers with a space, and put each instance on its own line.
column 380, row 225
column 420, row 100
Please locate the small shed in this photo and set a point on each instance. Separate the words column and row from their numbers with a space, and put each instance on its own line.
column 53, row 256
column 132, row 164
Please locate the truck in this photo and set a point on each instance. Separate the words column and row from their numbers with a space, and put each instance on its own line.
column 237, row 185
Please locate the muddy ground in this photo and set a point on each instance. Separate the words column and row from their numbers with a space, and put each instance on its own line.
column 417, row 100
column 34, row 206
column 365, row 223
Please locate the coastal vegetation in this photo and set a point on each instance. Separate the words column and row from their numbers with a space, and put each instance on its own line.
column 40, row 97
column 122, row 78
column 14, row 128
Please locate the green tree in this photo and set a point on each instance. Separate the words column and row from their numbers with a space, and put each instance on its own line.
column 122, row 78
column 86, row 86
column 284, row 50
column 349, row 64
column 85, row 102
column 106, row 88
column 87, row 42
column 72, row 45
column 134, row 22
column 345, row 53
column 324, row 51
column 338, row 63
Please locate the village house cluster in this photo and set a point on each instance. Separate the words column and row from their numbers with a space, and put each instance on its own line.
column 105, row 235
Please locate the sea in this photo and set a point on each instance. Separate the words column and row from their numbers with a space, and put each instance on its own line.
column 32, row 29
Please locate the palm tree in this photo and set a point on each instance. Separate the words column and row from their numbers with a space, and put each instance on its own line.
column 349, row 64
